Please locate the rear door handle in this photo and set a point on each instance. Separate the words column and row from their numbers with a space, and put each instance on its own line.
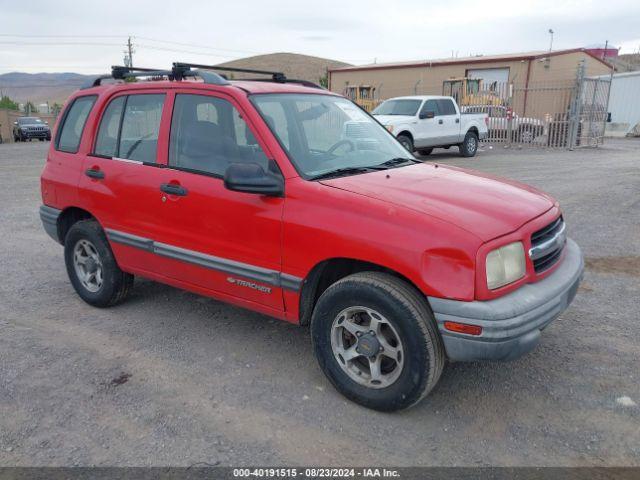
column 94, row 173
column 173, row 189
column 440, row 121
column 457, row 120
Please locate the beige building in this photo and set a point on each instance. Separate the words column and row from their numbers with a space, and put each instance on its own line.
column 514, row 76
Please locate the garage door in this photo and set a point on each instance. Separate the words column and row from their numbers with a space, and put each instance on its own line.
column 489, row 75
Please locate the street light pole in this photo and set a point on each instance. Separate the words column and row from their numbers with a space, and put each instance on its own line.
column 551, row 43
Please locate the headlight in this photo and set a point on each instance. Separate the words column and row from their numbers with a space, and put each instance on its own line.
column 390, row 128
column 505, row 265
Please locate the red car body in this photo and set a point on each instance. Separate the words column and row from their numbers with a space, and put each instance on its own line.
column 430, row 224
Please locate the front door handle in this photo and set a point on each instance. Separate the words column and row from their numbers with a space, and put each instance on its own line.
column 173, row 189
column 440, row 121
column 457, row 120
column 94, row 173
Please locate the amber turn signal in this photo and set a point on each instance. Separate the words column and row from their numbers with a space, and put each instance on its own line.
column 463, row 328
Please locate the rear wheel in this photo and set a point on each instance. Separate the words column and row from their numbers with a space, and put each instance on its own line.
column 92, row 268
column 406, row 142
column 425, row 151
column 526, row 134
column 376, row 340
column 469, row 145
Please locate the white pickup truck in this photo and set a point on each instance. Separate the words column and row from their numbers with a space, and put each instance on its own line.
column 425, row 122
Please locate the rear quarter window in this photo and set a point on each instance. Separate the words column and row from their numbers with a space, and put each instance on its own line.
column 73, row 122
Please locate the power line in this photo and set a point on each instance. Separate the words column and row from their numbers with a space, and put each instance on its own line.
column 191, row 52
column 197, row 45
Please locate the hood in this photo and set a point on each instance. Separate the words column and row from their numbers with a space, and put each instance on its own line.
column 486, row 206
column 394, row 119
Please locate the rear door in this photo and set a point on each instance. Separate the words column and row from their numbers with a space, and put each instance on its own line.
column 449, row 120
column 122, row 173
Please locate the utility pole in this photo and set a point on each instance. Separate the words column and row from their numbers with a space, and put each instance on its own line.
column 551, row 43
column 128, row 53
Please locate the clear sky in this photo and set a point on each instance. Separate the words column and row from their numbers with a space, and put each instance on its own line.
column 88, row 36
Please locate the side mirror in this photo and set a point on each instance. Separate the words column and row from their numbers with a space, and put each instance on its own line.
column 252, row 178
column 427, row 114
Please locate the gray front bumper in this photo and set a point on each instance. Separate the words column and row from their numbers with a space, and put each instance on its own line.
column 511, row 325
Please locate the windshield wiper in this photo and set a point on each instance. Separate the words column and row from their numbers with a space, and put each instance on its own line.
column 342, row 171
column 397, row 161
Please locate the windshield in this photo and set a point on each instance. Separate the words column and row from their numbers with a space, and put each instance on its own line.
column 29, row 120
column 324, row 133
column 398, row 107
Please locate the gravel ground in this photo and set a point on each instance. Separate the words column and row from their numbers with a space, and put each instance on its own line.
column 170, row 378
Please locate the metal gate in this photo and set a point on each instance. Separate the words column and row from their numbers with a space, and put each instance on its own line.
column 562, row 114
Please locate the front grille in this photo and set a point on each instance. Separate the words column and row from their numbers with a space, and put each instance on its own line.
column 547, row 244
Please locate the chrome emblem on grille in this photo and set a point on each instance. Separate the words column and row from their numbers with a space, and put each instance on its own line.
column 554, row 243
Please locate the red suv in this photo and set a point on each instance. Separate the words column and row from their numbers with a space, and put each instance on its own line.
column 284, row 198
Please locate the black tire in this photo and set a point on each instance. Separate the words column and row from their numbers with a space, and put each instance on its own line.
column 116, row 284
column 406, row 142
column 526, row 134
column 425, row 151
column 408, row 312
column 469, row 146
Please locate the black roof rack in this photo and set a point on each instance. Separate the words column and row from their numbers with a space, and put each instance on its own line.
column 119, row 72
column 277, row 77
column 182, row 70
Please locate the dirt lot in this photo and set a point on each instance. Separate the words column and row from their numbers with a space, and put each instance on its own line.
column 170, row 378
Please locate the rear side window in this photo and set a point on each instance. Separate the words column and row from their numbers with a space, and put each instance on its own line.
column 73, row 124
column 140, row 127
column 446, row 107
column 107, row 141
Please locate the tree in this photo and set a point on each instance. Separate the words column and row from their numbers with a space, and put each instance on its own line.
column 324, row 80
column 56, row 108
column 30, row 108
column 6, row 102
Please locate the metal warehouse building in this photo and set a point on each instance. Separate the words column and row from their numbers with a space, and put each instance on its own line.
column 624, row 104
column 498, row 73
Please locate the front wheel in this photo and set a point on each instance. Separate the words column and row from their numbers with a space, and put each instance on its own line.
column 406, row 142
column 376, row 340
column 469, row 145
column 92, row 268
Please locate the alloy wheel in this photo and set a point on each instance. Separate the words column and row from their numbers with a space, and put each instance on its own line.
column 367, row 347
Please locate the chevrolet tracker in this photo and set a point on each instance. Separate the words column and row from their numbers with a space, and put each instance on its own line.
column 284, row 198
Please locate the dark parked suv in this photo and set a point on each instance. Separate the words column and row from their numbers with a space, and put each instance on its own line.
column 26, row 128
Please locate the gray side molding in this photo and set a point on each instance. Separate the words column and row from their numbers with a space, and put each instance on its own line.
column 232, row 267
